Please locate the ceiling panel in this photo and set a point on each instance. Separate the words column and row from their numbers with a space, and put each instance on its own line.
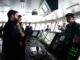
column 28, row 5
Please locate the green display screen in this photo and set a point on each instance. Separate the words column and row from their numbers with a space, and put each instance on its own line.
column 34, row 33
column 42, row 36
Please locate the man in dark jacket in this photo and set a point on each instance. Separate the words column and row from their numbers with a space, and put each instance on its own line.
column 11, row 36
column 73, row 28
column 28, row 30
column 47, row 29
column 29, row 27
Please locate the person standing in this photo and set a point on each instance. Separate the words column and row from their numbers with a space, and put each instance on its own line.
column 28, row 30
column 47, row 29
column 11, row 35
column 73, row 28
column 22, row 42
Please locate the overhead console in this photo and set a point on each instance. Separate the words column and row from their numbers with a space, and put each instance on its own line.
column 48, row 6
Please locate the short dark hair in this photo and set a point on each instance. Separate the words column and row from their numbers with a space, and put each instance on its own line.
column 11, row 12
column 70, row 14
column 19, row 16
column 29, row 22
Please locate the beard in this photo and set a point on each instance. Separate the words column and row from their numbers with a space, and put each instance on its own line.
column 15, row 20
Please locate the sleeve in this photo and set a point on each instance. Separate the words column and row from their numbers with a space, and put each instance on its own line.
column 78, row 30
column 66, row 29
column 20, row 29
column 26, row 28
column 31, row 28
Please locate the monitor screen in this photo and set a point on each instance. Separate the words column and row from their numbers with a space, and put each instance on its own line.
column 35, row 33
column 62, row 38
column 49, row 38
column 42, row 35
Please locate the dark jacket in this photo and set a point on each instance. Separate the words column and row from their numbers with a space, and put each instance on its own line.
column 11, row 37
column 28, row 27
column 47, row 29
column 28, row 31
column 73, row 28
column 1, row 30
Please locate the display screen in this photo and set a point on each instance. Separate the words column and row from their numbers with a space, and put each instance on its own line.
column 62, row 38
column 49, row 38
column 42, row 35
column 34, row 33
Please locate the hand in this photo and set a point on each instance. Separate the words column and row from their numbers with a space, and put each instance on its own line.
column 77, row 40
column 20, row 43
column 22, row 34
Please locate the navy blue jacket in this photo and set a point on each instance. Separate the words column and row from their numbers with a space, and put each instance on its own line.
column 73, row 28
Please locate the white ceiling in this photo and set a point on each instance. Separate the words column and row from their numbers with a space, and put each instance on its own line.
column 27, row 6
column 30, row 5
column 66, row 3
column 63, row 6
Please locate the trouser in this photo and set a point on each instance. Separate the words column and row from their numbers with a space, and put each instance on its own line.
column 15, row 53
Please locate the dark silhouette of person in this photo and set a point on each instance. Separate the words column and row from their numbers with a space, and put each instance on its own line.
column 73, row 28
column 1, row 30
column 47, row 29
column 11, row 37
column 28, row 30
column 22, row 39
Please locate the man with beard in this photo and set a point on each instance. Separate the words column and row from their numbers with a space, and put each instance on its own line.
column 11, row 35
